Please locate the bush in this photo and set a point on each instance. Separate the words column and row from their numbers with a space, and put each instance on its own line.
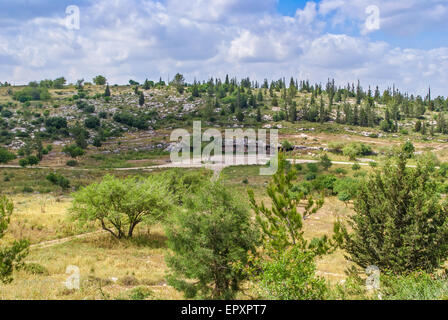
column 73, row 151
column 35, row 269
column 312, row 167
column 29, row 161
column 291, row 276
column 131, row 120
column 6, row 156
column 356, row 149
column 72, row 163
column 32, row 93
column 415, row 286
column 92, row 123
column 59, row 180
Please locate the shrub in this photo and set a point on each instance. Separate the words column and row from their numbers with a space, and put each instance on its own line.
column 73, row 151
column 415, row 286
column 72, row 163
column 312, row 167
column 59, row 180
column 92, row 122
column 290, row 275
column 6, row 156
column 356, row 149
column 35, row 269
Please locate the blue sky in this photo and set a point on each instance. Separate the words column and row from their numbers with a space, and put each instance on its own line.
column 138, row 39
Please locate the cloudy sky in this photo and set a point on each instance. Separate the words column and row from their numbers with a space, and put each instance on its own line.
column 138, row 39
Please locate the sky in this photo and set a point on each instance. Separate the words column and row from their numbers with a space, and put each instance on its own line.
column 379, row 42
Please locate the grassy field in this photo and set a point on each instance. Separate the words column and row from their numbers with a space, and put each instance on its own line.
column 112, row 269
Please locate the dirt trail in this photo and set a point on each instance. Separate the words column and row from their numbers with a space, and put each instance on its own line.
column 51, row 243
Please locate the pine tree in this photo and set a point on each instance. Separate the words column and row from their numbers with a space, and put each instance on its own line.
column 282, row 225
column 259, row 118
column 141, row 99
column 107, row 91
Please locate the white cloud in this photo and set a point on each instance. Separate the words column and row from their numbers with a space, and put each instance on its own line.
column 125, row 39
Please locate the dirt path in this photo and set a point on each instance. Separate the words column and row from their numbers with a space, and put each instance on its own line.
column 51, row 243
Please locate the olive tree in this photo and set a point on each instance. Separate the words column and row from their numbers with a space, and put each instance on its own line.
column 11, row 256
column 119, row 205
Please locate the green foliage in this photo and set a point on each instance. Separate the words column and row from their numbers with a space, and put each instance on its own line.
column 400, row 222
column 32, row 93
column 72, row 163
column 6, row 156
column 59, row 180
column 131, row 120
column 282, row 224
column 99, row 80
column 29, row 161
column 121, row 204
column 181, row 184
column 208, row 237
column 346, row 188
column 287, row 146
column 92, row 122
column 11, row 257
column 73, row 151
column 140, row 293
column 290, row 275
column 409, row 149
column 35, row 269
column 325, row 162
column 356, row 149
column 415, row 286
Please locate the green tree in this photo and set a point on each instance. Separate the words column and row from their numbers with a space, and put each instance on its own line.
column 179, row 83
column 99, row 80
column 409, row 149
column 400, row 223
column 73, row 151
column 211, row 234
column 107, row 91
column 282, row 225
column 325, row 162
column 119, row 205
column 141, row 99
column 286, row 267
column 11, row 257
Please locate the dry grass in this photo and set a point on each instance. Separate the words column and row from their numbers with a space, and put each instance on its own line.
column 41, row 218
column 110, row 269
column 104, row 265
